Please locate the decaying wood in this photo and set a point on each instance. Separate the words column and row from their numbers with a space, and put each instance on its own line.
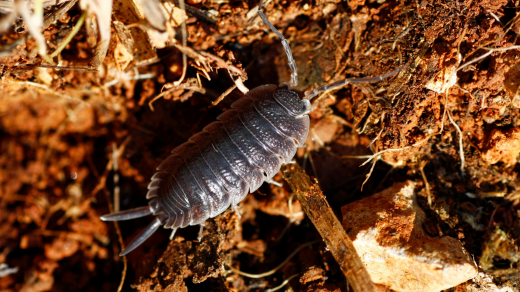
column 318, row 210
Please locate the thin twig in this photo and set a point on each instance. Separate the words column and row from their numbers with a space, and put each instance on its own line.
column 357, row 156
column 184, row 44
column 270, row 272
column 199, row 13
column 310, row 94
column 69, row 68
column 461, row 148
column 186, row 86
column 71, row 35
column 426, row 184
column 501, row 49
column 283, row 284
column 223, row 95
column 473, row 61
column 44, row 88
column 369, row 174
column 34, row 23
column 121, row 243
column 394, row 40
column 115, row 159
column 102, row 181
column 398, row 149
column 101, row 186
column 384, row 151
column 335, row 237
column 224, row 64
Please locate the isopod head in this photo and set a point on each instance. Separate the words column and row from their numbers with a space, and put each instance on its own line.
column 291, row 101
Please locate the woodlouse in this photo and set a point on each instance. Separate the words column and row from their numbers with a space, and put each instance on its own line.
column 231, row 157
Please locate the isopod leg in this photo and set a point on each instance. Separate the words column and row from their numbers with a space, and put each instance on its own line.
column 173, row 233
column 199, row 237
column 235, row 207
column 128, row 214
column 273, row 182
column 143, row 236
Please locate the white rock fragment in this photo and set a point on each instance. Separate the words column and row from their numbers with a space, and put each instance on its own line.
column 6, row 271
column 387, row 233
column 447, row 76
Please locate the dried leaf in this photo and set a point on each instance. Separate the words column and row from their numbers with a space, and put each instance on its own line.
column 122, row 56
column 126, row 13
column 153, row 12
column 33, row 21
column 102, row 10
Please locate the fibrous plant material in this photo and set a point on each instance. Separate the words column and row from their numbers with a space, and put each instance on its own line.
column 134, row 38
column 500, row 247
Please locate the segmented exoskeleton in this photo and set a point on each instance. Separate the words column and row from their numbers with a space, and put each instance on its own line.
column 231, row 157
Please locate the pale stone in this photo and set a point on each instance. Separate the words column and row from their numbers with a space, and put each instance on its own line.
column 447, row 76
column 502, row 145
column 443, row 80
column 387, row 233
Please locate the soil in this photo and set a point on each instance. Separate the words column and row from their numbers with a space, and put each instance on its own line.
column 449, row 120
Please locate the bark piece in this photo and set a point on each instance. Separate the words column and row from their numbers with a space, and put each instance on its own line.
column 322, row 216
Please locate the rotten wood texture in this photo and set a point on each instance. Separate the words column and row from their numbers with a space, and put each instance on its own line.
column 319, row 211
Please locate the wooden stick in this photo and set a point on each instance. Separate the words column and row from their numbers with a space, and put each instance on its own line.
column 318, row 210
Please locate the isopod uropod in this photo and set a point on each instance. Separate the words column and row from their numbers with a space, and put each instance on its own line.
column 231, row 157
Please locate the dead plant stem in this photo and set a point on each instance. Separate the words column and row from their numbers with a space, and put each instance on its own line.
column 335, row 237
column 71, row 35
column 461, row 148
column 270, row 272
column 184, row 44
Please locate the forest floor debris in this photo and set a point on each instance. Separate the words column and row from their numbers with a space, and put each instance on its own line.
column 448, row 122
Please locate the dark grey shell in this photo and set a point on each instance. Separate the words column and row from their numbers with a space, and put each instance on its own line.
column 219, row 166
column 230, row 158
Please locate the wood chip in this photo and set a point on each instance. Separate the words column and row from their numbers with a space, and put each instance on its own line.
column 322, row 216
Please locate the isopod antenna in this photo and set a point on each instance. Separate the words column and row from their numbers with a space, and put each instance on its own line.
column 285, row 44
column 292, row 65
column 310, row 94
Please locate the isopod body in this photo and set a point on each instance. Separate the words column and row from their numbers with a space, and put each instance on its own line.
column 232, row 156
column 228, row 159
